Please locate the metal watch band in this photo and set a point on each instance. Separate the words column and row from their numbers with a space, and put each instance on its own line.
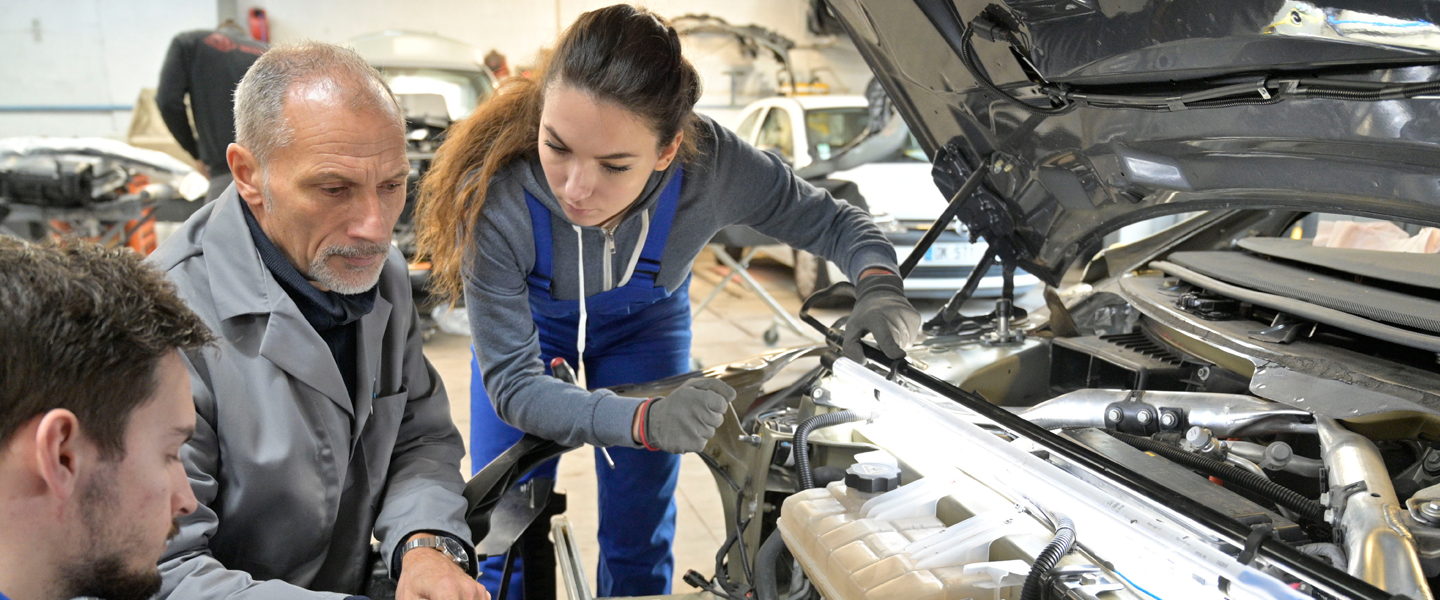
column 445, row 545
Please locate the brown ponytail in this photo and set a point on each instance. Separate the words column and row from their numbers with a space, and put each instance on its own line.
column 503, row 129
column 621, row 54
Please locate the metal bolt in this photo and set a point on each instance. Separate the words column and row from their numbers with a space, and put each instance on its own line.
column 1203, row 373
column 1430, row 510
column 1167, row 420
column 1143, row 417
column 1114, row 415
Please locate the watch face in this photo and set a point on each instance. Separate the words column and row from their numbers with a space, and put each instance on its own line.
column 455, row 550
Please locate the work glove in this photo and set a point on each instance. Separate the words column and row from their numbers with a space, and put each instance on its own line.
column 881, row 310
column 687, row 418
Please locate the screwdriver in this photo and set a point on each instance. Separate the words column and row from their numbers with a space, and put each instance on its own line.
column 562, row 371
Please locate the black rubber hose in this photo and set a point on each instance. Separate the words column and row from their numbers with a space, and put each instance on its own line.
column 767, row 572
column 967, row 59
column 1040, row 571
column 802, row 434
column 1280, row 494
column 722, row 573
column 740, row 525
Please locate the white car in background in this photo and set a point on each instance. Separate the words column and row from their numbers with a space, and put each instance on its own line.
column 437, row 81
column 897, row 190
column 425, row 67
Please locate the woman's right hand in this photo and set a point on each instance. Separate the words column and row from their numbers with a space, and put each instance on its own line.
column 684, row 420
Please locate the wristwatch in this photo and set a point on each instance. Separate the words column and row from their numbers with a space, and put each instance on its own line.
column 445, row 545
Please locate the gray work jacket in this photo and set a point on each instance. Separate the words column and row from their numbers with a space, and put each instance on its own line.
column 292, row 474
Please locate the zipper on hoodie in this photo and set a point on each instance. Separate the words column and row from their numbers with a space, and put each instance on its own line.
column 609, row 258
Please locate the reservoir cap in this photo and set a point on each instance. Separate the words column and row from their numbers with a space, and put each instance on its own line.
column 872, row 478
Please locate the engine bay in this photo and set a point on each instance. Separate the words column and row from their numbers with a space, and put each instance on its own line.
column 1146, row 435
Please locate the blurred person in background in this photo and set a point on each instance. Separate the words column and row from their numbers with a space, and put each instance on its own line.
column 206, row 65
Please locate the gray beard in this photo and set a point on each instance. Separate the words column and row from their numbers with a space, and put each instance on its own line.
column 354, row 281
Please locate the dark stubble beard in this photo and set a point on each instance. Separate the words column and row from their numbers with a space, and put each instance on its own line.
column 109, row 578
column 105, row 571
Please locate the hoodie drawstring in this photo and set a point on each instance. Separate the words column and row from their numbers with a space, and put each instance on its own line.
column 639, row 248
column 580, row 331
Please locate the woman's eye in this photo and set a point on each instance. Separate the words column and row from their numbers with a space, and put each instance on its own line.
column 559, row 149
column 615, row 169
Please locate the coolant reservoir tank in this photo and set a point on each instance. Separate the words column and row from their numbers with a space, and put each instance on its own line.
column 856, row 544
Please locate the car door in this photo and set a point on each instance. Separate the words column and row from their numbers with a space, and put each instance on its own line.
column 747, row 127
column 777, row 134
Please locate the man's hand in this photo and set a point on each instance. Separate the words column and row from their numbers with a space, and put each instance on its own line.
column 427, row 574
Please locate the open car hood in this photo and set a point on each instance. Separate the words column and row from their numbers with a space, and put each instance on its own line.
column 1119, row 112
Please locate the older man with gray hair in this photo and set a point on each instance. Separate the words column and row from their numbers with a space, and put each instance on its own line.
column 319, row 423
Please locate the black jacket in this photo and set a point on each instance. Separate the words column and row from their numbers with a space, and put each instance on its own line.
column 207, row 65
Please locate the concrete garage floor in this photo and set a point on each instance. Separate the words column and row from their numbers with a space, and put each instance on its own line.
column 728, row 330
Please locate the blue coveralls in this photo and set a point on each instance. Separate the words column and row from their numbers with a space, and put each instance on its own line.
column 636, row 333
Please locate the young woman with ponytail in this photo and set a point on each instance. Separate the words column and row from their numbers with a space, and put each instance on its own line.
column 568, row 211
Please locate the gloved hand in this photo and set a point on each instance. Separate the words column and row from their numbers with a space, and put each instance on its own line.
column 882, row 311
column 685, row 420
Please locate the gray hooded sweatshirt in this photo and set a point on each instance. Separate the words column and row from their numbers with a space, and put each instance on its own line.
column 726, row 183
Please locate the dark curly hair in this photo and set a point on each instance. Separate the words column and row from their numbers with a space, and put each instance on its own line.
column 83, row 328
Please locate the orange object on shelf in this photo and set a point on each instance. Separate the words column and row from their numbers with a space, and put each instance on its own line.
column 137, row 234
column 259, row 25
column 140, row 233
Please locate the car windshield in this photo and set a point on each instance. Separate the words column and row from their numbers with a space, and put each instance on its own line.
column 462, row 90
column 909, row 153
column 832, row 129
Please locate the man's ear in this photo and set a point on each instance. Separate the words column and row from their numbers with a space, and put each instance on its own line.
column 60, row 452
column 667, row 154
column 248, row 178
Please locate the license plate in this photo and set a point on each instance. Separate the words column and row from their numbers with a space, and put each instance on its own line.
column 953, row 254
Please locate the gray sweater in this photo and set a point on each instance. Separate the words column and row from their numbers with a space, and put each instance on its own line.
column 728, row 182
